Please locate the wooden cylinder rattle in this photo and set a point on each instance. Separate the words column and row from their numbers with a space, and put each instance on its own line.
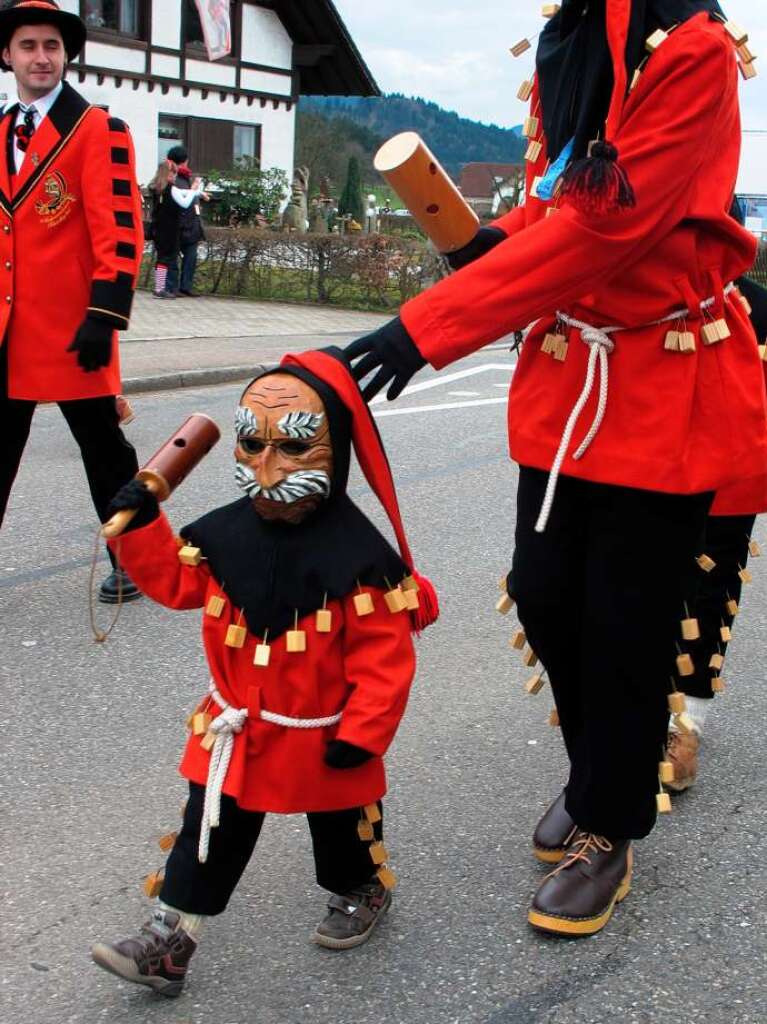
column 170, row 464
column 437, row 207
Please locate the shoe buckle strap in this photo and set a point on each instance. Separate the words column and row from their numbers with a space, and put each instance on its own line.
column 346, row 906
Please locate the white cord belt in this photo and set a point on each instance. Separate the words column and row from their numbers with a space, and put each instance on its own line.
column 600, row 346
column 231, row 721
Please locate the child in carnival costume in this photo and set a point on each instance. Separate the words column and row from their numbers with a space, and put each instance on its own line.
column 307, row 628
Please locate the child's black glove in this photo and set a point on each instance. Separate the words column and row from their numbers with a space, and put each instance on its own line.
column 93, row 344
column 340, row 754
column 136, row 495
column 485, row 239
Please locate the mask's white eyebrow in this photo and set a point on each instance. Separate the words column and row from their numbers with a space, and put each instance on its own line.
column 245, row 422
column 300, row 425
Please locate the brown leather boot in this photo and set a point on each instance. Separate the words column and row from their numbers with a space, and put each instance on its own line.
column 157, row 957
column 682, row 752
column 352, row 916
column 578, row 897
column 554, row 832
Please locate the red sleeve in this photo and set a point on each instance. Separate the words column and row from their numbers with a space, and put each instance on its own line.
column 150, row 557
column 512, row 222
column 665, row 139
column 113, row 211
column 379, row 664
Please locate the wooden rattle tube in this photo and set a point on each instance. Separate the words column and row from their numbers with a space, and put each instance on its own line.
column 170, row 465
column 436, row 205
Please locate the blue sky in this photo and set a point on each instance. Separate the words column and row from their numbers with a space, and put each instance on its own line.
column 457, row 53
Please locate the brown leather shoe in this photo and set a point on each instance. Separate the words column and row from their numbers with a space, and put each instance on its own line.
column 352, row 916
column 578, row 897
column 157, row 957
column 682, row 752
column 554, row 832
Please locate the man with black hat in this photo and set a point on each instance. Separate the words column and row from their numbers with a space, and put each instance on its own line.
column 191, row 231
column 69, row 208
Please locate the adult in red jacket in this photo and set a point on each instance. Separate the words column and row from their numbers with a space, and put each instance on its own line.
column 622, row 259
column 70, row 248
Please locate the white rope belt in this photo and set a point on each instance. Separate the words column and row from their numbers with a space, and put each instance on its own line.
column 231, row 721
column 600, row 346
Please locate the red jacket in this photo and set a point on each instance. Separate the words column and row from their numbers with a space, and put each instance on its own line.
column 70, row 242
column 362, row 668
column 675, row 422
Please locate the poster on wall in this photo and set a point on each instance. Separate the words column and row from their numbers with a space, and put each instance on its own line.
column 216, row 21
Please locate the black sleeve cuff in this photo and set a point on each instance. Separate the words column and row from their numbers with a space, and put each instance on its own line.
column 112, row 301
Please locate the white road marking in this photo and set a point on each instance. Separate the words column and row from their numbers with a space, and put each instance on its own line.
column 466, row 394
column 447, row 378
column 378, row 413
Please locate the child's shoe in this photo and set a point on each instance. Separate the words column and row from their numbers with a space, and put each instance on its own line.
column 352, row 916
column 157, row 957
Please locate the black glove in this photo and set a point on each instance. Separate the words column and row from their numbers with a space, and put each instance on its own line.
column 484, row 240
column 136, row 495
column 93, row 344
column 340, row 754
column 392, row 352
column 757, row 298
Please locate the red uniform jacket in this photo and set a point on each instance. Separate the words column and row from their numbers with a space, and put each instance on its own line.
column 363, row 668
column 70, row 243
column 681, row 423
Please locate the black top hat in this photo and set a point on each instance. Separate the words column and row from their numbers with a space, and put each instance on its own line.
column 41, row 12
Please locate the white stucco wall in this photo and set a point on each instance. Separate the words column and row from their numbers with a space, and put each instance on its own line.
column 264, row 39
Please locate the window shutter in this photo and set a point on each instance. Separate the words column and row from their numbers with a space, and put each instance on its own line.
column 210, row 144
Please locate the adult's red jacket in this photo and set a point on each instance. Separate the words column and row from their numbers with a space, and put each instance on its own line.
column 362, row 668
column 681, row 423
column 70, row 245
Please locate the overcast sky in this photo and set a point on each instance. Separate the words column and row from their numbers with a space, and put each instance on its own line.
column 457, row 52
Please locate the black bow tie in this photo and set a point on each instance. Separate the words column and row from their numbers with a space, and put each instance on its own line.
column 24, row 132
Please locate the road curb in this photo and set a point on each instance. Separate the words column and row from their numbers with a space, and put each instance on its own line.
column 190, row 378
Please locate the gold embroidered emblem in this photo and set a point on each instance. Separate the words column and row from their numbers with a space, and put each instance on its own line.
column 58, row 204
column 35, row 159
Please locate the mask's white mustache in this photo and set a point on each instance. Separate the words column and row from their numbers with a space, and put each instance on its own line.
column 297, row 485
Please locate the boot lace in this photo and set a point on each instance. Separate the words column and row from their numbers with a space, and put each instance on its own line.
column 584, row 844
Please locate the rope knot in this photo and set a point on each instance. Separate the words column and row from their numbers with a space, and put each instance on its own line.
column 593, row 336
column 231, row 720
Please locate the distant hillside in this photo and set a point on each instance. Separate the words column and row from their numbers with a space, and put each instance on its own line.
column 455, row 140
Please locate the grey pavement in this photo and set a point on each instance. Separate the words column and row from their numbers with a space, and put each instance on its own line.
column 92, row 735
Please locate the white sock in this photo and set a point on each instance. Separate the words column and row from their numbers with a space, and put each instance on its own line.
column 191, row 923
column 697, row 709
column 160, row 277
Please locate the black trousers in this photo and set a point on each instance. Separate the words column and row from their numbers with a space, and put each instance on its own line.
column 342, row 861
column 726, row 541
column 600, row 595
column 109, row 458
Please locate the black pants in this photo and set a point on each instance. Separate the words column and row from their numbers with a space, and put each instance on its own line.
column 726, row 542
column 342, row 861
column 600, row 595
column 188, row 268
column 108, row 458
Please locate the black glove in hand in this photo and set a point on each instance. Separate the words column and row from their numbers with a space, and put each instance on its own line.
column 93, row 344
column 484, row 240
column 340, row 754
column 136, row 495
column 392, row 352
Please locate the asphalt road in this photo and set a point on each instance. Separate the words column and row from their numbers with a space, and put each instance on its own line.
column 91, row 737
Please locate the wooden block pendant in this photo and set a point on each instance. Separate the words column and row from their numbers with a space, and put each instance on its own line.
column 378, row 853
column 710, row 333
column 747, row 57
column 525, row 91
column 200, row 723
column 686, row 342
column 235, row 636
column 717, row 684
column 535, row 684
column 723, row 329
column 655, row 40
column 395, row 600
column 716, row 662
column 533, row 151
column 412, row 600
column 324, row 620
column 676, row 702
column 560, row 351
column 690, row 629
column 745, row 303
column 365, row 831
column 372, row 813
column 726, row 634
column 554, row 719
column 208, row 741
column 684, row 665
column 666, row 771
column 189, row 555
column 167, row 842
column 549, row 10
column 738, row 34
column 549, row 344
column 215, row 606
column 530, row 126
column 386, row 877
column 505, row 604
column 635, row 79
column 706, row 563
column 748, row 71
column 530, row 658
column 745, row 576
column 732, row 607
column 521, row 47
column 518, row 640
column 295, row 641
column 763, row 353
column 363, row 604
column 410, row 583
column 754, row 549
column 663, row 803
column 534, row 186
column 671, row 344
column 153, row 884
column 684, row 723
column 262, row 655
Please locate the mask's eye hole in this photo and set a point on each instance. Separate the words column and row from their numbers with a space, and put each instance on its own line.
column 251, row 445
column 294, row 448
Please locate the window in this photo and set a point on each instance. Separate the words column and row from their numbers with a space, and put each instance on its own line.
column 171, row 132
column 193, row 35
column 114, row 16
column 246, row 141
